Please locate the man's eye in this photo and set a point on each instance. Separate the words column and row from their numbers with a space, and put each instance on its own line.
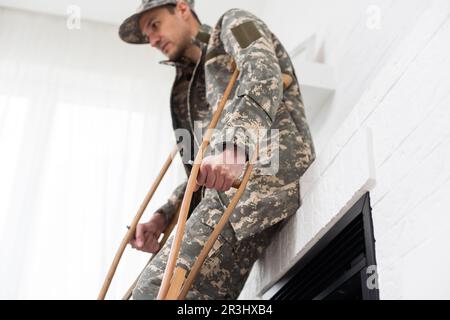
column 155, row 25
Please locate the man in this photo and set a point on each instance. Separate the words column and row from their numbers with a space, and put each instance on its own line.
column 203, row 58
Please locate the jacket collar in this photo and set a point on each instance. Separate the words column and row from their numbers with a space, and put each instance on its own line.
column 201, row 40
column 203, row 36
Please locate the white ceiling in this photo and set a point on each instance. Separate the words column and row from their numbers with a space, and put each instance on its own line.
column 115, row 11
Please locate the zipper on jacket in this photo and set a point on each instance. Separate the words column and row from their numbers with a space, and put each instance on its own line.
column 191, row 123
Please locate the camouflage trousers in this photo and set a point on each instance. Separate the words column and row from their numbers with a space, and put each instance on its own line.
column 227, row 267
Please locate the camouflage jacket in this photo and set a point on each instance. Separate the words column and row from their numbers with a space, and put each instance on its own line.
column 258, row 101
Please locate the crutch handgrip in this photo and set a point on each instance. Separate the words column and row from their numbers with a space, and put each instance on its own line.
column 237, row 184
column 287, row 80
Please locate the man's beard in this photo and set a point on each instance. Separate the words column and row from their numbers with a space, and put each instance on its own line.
column 181, row 50
column 178, row 54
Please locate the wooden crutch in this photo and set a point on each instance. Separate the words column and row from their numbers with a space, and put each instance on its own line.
column 176, row 245
column 215, row 234
column 287, row 81
column 167, row 234
column 132, row 230
column 174, row 278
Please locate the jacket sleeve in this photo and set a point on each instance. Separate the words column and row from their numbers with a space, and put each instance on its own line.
column 260, row 90
column 169, row 209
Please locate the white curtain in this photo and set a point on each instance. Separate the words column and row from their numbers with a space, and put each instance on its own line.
column 84, row 128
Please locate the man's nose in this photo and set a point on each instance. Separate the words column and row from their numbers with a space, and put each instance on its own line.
column 154, row 40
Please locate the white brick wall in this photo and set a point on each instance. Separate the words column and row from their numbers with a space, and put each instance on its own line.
column 386, row 131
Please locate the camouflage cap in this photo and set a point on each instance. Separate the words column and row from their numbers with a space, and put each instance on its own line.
column 130, row 32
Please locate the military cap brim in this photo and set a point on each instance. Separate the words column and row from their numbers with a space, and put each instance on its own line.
column 130, row 31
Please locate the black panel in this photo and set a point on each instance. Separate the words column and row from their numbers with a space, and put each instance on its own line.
column 335, row 268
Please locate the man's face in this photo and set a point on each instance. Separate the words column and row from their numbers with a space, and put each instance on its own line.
column 166, row 31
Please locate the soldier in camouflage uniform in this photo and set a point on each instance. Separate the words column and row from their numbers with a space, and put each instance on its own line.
column 258, row 101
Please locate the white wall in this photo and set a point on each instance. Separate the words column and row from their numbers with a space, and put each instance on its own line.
column 386, row 131
column 349, row 40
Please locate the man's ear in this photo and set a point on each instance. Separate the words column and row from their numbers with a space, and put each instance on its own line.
column 184, row 9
